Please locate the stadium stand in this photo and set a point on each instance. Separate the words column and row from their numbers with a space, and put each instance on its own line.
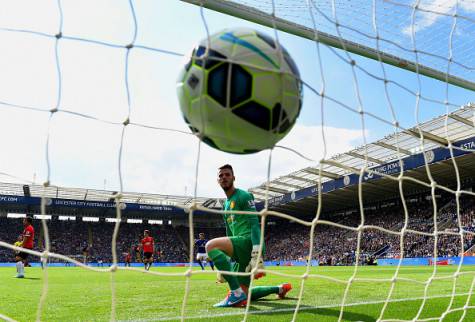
column 284, row 241
column 294, row 194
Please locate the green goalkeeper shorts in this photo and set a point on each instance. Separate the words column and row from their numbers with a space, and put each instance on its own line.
column 242, row 248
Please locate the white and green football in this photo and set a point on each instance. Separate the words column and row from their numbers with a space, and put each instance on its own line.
column 242, row 94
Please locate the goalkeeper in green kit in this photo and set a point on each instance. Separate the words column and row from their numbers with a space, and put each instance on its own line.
column 241, row 244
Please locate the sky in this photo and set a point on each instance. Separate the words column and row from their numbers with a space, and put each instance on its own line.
column 84, row 152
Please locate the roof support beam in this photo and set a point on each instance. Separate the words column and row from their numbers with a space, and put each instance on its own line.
column 461, row 119
column 341, row 166
column 392, row 147
column 288, row 184
column 259, row 193
column 272, row 189
column 323, row 173
column 278, row 190
column 427, row 136
column 360, row 156
column 301, row 179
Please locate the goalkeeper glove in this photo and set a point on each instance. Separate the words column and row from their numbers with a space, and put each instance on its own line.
column 254, row 262
column 219, row 278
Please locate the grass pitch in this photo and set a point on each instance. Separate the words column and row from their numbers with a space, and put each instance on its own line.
column 75, row 294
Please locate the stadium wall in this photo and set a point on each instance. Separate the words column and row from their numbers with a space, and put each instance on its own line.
column 425, row 261
column 267, row 263
column 418, row 261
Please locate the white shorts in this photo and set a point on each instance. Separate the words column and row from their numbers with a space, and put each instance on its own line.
column 201, row 256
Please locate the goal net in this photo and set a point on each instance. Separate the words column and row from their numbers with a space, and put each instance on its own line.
column 87, row 96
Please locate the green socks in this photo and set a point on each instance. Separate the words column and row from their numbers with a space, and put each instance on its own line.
column 261, row 291
column 221, row 261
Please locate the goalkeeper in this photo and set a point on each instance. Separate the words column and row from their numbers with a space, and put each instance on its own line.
column 241, row 244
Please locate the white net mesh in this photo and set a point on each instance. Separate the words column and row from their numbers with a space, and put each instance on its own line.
column 434, row 30
column 435, row 34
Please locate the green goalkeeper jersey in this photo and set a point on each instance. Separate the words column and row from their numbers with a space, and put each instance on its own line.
column 240, row 224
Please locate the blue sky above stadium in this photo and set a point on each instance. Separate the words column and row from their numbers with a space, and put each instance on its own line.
column 84, row 152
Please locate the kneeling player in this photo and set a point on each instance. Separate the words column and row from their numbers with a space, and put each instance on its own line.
column 241, row 244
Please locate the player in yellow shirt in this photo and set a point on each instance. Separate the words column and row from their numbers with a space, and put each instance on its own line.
column 18, row 243
column 242, row 243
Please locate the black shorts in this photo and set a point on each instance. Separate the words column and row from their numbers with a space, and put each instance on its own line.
column 22, row 255
column 147, row 255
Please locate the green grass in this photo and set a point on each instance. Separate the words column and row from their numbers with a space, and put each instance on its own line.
column 75, row 294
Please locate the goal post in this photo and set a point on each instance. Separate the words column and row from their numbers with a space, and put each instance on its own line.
column 252, row 14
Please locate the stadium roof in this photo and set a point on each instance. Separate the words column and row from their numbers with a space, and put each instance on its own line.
column 460, row 125
column 296, row 192
column 98, row 195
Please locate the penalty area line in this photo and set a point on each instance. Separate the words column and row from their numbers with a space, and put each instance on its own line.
column 293, row 309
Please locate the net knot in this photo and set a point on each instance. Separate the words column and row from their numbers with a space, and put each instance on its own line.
column 59, row 35
column 113, row 268
column 129, row 46
column 305, row 276
column 126, row 122
column 188, row 273
column 429, row 280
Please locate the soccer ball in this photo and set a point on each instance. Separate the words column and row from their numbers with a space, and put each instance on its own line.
column 242, row 94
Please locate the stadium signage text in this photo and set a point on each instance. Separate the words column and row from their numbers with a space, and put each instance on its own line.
column 159, row 208
column 389, row 168
column 70, row 203
column 468, row 145
column 8, row 199
column 76, row 203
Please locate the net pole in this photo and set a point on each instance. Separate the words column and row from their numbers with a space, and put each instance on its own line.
column 262, row 18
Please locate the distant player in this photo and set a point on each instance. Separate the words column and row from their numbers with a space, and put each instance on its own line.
column 85, row 253
column 201, row 255
column 148, row 248
column 28, row 236
column 242, row 244
column 138, row 256
column 18, row 243
column 127, row 258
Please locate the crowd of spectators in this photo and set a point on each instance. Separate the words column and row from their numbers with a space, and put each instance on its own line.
column 379, row 232
column 91, row 241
